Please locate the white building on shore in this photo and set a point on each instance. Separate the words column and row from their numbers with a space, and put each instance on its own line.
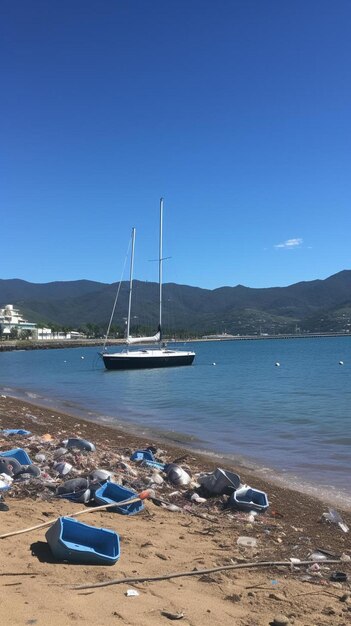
column 11, row 319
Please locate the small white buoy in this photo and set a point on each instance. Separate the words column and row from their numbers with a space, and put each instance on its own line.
column 65, row 361
column 277, row 364
column 213, row 363
column 341, row 362
column 82, row 357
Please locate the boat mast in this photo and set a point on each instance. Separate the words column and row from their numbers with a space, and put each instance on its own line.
column 131, row 282
column 160, row 266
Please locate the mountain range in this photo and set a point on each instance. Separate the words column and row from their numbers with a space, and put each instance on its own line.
column 312, row 306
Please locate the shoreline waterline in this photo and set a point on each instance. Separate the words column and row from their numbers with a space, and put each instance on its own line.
column 197, row 538
column 293, row 420
column 186, row 444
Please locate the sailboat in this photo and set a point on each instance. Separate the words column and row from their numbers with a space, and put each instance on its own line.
column 144, row 358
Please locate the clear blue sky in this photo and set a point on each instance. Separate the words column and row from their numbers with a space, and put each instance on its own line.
column 238, row 112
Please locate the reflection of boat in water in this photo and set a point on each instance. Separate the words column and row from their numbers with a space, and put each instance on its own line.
column 147, row 358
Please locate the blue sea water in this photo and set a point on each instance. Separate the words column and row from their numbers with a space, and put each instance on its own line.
column 234, row 400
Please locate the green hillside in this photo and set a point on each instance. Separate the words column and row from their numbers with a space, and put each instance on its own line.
column 315, row 306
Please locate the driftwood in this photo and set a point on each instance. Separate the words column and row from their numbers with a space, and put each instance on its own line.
column 200, row 572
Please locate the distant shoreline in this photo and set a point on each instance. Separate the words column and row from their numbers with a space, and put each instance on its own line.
column 8, row 346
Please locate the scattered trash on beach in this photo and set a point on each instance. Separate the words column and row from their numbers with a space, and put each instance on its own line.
column 220, row 482
column 177, row 475
column 318, row 556
column 172, row 616
column 75, row 489
column 5, row 482
column 79, row 444
column 247, row 499
column 110, row 493
column 196, row 498
column 70, row 467
column 146, row 457
column 8, row 432
column 338, row 577
column 5, row 485
column 280, row 620
column 9, row 466
column 132, row 593
column 100, row 475
column 247, row 542
column 334, row 518
column 19, row 454
column 62, row 468
column 76, row 542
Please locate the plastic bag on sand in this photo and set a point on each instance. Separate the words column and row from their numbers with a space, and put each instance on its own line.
column 334, row 518
column 80, row 444
column 220, row 482
column 5, row 482
column 176, row 475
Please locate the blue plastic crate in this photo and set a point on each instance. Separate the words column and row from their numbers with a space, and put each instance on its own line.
column 19, row 454
column 9, row 432
column 248, row 499
column 147, row 458
column 111, row 492
column 155, row 464
column 142, row 455
column 72, row 541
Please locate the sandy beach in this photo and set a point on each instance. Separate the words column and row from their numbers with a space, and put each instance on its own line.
column 158, row 542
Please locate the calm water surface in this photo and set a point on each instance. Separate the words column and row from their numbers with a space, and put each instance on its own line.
column 295, row 418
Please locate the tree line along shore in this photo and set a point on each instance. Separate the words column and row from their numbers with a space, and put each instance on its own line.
column 24, row 344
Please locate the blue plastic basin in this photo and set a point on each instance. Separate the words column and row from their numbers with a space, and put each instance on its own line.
column 19, row 454
column 142, row 455
column 111, row 492
column 75, row 542
column 248, row 499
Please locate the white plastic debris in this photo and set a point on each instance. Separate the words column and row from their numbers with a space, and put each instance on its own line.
column 79, row 444
column 314, row 569
column 62, row 468
column 318, row 556
column 40, row 458
column 196, row 498
column 334, row 518
column 131, row 593
column 247, row 542
column 156, row 479
column 171, row 507
column 127, row 468
column 252, row 516
column 5, row 482
column 177, row 475
column 101, row 475
column 59, row 452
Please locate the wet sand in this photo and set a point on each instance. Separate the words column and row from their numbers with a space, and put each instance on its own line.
column 38, row 590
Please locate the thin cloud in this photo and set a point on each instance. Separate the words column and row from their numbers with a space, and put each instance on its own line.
column 289, row 244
